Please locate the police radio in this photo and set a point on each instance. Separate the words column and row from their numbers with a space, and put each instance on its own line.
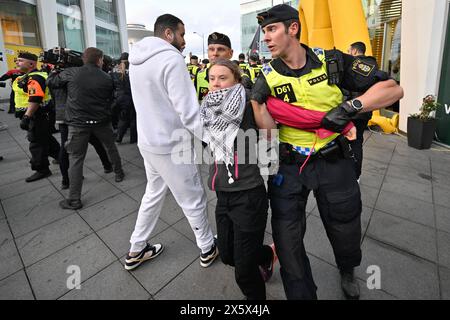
column 335, row 66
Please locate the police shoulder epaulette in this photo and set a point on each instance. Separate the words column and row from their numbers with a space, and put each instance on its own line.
column 318, row 51
column 267, row 69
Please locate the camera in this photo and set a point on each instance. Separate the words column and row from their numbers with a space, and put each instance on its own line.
column 62, row 58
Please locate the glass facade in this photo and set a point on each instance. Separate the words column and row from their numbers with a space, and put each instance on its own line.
column 105, row 10
column 70, row 25
column 19, row 23
column 384, row 22
column 109, row 42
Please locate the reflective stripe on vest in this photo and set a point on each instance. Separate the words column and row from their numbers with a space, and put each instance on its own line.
column 312, row 92
column 21, row 97
column 202, row 84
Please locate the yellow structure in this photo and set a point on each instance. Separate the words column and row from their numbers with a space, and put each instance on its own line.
column 388, row 125
column 333, row 23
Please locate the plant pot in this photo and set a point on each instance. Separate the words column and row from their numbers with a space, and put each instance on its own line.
column 421, row 133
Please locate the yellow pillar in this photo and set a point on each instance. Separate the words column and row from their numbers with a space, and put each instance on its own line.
column 333, row 23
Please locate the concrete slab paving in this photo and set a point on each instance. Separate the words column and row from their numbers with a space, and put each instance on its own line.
column 109, row 211
column 406, row 207
column 405, row 235
column 112, row 283
column 442, row 218
column 16, row 287
column 10, row 261
column 403, row 275
column 443, row 241
column 49, row 277
column 39, row 244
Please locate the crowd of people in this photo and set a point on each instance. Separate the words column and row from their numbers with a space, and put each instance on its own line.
column 318, row 109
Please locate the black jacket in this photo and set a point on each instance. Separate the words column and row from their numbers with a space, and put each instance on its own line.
column 59, row 96
column 89, row 95
column 246, row 175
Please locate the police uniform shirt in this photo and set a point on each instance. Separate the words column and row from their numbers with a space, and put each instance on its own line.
column 360, row 73
column 36, row 89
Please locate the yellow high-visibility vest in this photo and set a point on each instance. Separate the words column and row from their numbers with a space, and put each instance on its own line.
column 312, row 92
column 202, row 84
column 21, row 97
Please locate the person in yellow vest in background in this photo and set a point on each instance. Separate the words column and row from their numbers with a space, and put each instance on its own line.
column 254, row 68
column 311, row 79
column 193, row 67
column 242, row 64
column 32, row 97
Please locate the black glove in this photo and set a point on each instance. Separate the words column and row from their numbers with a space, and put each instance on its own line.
column 25, row 123
column 337, row 119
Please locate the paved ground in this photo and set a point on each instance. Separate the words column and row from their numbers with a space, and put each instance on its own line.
column 406, row 226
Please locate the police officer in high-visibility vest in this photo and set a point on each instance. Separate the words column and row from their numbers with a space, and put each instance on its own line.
column 32, row 97
column 242, row 64
column 254, row 68
column 219, row 47
column 193, row 67
column 312, row 79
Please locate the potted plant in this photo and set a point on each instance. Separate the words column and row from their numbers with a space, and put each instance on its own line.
column 422, row 125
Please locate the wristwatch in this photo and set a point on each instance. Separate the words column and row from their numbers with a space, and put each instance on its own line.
column 357, row 105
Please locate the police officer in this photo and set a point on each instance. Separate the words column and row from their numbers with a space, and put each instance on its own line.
column 193, row 67
column 219, row 47
column 13, row 75
column 242, row 64
column 254, row 68
column 32, row 98
column 358, row 49
column 311, row 79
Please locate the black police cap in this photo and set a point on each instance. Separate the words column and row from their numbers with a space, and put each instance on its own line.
column 194, row 58
column 28, row 56
column 219, row 38
column 124, row 56
column 279, row 13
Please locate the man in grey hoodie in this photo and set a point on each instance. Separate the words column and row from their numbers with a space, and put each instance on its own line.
column 165, row 103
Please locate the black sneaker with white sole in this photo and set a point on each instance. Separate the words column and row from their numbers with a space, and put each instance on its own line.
column 206, row 259
column 150, row 252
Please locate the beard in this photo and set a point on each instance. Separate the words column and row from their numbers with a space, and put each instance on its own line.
column 177, row 45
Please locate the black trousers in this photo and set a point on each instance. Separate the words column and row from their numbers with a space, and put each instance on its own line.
column 42, row 143
column 241, row 219
column 64, row 156
column 12, row 103
column 357, row 145
column 127, row 120
column 339, row 201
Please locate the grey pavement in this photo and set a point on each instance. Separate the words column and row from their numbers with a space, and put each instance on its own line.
column 405, row 220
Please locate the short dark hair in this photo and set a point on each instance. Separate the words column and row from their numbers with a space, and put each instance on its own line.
column 166, row 21
column 287, row 24
column 359, row 46
column 92, row 55
column 242, row 56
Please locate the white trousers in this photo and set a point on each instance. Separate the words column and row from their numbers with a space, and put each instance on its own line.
column 185, row 183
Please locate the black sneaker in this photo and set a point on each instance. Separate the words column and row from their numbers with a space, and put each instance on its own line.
column 149, row 253
column 120, row 177
column 71, row 204
column 108, row 170
column 349, row 285
column 39, row 176
column 206, row 259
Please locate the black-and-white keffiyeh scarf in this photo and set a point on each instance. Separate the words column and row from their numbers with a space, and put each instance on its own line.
column 221, row 113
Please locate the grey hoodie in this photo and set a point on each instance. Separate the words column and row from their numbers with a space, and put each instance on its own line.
column 164, row 97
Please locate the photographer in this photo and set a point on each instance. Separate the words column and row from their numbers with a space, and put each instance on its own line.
column 32, row 98
column 59, row 94
column 87, row 112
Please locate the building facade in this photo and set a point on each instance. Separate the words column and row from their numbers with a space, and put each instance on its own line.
column 137, row 32
column 37, row 25
column 249, row 24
